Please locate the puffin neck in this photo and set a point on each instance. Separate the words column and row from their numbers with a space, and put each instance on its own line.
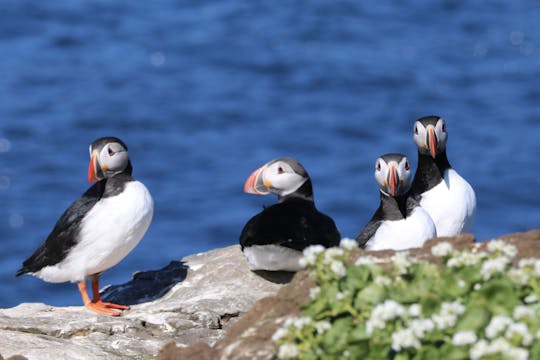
column 429, row 172
column 304, row 192
column 394, row 208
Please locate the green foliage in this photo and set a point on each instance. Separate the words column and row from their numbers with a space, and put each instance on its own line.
column 476, row 305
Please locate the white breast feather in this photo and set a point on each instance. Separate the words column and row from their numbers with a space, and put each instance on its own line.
column 272, row 257
column 451, row 204
column 403, row 234
column 110, row 230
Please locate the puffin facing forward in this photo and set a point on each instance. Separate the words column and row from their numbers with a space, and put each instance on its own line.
column 442, row 192
column 97, row 230
column 399, row 222
column 274, row 239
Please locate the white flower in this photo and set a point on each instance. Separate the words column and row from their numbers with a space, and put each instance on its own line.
column 367, row 260
column 502, row 247
column 477, row 286
column 479, row 350
column 529, row 299
column 519, row 276
column 521, row 330
column 322, row 326
column 415, row 310
column 288, row 351
column 382, row 280
column 537, row 335
column 348, row 244
column 404, row 338
column 515, row 353
column 338, row 268
column 442, row 249
column 465, row 258
column 331, row 254
column 523, row 312
column 346, row 353
column 420, row 326
column 313, row 292
column 492, row 266
column 530, row 264
column 280, row 333
column 497, row 325
column 448, row 315
column 498, row 346
column 310, row 255
column 402, row 261
column 301, row 322
column 462, row 338
column 461, row 283
column 381, row 313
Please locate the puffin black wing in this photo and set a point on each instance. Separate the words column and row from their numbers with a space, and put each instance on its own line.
column 64, row 235
column 368, row 231
column 294, row 223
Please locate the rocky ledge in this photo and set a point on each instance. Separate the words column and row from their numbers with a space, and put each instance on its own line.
column 207, row 306
column 195, row 299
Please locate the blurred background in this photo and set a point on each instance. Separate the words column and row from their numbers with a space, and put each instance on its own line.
column 203, row 92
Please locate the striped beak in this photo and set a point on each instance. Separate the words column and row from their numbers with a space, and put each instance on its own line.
column 95, row 173
column 255, row 183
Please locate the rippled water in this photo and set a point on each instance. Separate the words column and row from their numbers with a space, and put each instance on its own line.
column 203, row 93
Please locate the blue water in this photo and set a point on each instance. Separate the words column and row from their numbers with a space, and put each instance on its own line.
column 205, row 92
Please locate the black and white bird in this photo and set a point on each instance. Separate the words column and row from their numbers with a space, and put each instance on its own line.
column 274, row 238
column 97, row 230
column 399, row 222
column 442, row 192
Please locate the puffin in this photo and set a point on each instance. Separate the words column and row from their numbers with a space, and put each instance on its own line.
column 97, row 230
column 399, row 222
column 274, row 239
column 442, row 192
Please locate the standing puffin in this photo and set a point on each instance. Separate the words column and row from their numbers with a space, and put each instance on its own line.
column 399, row 222
column 97, row 230
column 442, row 192
column 274, row 238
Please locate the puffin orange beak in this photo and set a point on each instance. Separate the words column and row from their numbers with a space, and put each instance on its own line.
column 432, row 141
column 393, row 179
column 255, row 183
column 94, row 170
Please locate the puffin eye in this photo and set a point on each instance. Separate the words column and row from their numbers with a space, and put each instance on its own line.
column 111, row 151
column 378, row 166
column 443, row 127
column 416, row 129
column 280, row 170
column 407, row 165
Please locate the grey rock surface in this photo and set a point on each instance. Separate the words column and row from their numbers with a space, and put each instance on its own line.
column 187, row 301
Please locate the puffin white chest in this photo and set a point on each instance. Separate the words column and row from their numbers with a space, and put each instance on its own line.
column 451, row 204
column 110, row 230
column 407, row 233
column 272, row 258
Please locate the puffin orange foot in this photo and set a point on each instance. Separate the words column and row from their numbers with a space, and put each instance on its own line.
column 100, row 308
column 109, row 305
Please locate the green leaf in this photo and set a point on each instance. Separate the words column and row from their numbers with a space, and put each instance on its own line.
column 498, row 295
column 476, row 317
column 335, row 339
column 370, row 295
column 450, row 352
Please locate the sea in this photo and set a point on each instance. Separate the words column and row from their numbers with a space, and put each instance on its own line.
column 204, row 92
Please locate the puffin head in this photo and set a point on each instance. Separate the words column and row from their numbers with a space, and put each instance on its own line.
column 282, row 176
column 430, row 135
column 393, row 174
column 108, row 157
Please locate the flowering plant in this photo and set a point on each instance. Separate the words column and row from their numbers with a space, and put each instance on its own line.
column 475, row 305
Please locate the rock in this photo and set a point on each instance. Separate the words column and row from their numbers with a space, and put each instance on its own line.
column 207, row 306
column 195, row 299
column 250, row 337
